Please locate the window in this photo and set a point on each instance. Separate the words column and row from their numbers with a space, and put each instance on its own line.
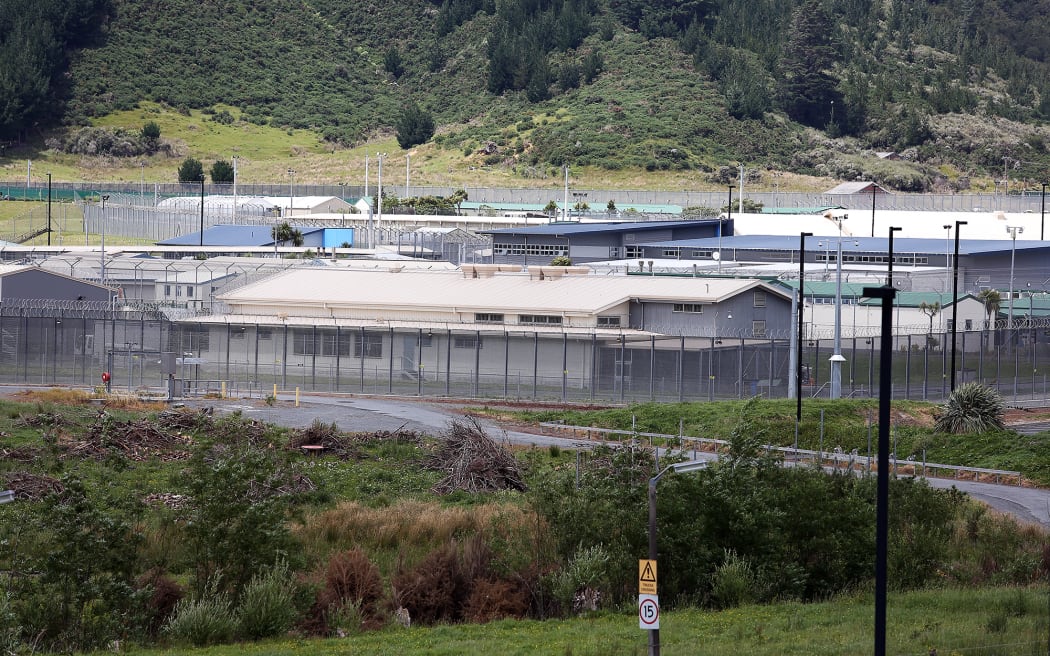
column 693, row 308
column 758, row 328
column 190, row 339
column 426, row 340
column 334, row 343
column 264, row 333
column 167, row 290
column 466, row 342
column 632, row 252
column 303, row 342
column 538, row 250
column 539, row 319
column 368, row 345
column 760, row 299
column 705, row 254
column 189, row 291
column 671, row 252
column 488, row 317
column 969, row 324
column 614, row 252
column 237, row 332
column 608, row 321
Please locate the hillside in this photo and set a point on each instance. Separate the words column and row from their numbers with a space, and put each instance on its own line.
column 961, row 90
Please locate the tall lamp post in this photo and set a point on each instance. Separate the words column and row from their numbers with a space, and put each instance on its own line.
column 798, row 332
column 1042, row 214
column 679, row 468
column 291, row 190
column 102, row 268
column 955, row 294
column 1013, row 231
column 889, row 260
column 837, row 358
column 947, row 256
column 202, row 209
column 49, row 208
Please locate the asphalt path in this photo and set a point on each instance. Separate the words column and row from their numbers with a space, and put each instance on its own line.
column 369, row 414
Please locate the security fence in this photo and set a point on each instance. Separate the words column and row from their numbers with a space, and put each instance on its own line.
column 73, row 343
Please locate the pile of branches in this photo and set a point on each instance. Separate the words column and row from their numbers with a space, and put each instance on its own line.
column 24, row 453
column 136, row 440
column 281, row 485
column 45, row 419
column 327, row 437
column 32, row 487
column 473, row 462
column 167, row 499
column 185, row 420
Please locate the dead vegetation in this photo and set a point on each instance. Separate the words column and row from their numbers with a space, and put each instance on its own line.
column 32, row 487
column 473, row 462
column 328, row 439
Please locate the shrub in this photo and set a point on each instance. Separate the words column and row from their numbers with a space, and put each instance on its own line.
column 495, row 599
column 587, row 572
column 733, row 582
column 200, row 622
column 971, row 408
column 191, row 170
column 164, row 596
column 434, row 590
column 351, row 590
column 267, row 607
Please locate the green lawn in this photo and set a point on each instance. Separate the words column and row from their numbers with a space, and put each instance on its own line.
column 977, row 621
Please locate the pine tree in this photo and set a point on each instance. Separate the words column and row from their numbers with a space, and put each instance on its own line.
column 415, row 126
column 807, row 89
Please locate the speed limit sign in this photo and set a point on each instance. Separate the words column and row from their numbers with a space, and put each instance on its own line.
column 648, row 612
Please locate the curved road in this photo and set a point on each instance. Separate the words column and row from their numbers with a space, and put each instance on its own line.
column 378, row 414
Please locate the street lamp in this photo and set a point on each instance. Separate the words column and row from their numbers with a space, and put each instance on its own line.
column 1014, row 231
column 889, row 267
column 679, row 468
column 202, row 209
column 49, row 208
column 947, row 257
column 955, row 294
column 798, row 332
column 837, row 359
column 291, row 190
column 102, row 273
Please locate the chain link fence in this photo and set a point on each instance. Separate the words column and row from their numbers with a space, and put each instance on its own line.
column 73, row 343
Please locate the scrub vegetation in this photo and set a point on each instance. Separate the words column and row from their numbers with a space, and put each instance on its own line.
column 156, row 527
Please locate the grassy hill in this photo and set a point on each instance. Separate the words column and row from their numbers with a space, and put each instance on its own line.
column 665, row 95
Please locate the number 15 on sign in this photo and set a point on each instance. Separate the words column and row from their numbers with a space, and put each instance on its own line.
column 648, row 612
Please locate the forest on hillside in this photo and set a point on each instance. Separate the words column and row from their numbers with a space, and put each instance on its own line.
column 653, row 84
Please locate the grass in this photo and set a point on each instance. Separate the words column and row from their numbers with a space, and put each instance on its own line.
column 845, row 425
column 950, row 621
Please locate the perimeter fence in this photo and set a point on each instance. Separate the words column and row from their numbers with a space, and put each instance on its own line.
column 72, row 343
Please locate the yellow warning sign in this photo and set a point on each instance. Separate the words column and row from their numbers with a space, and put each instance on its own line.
column 647, row 577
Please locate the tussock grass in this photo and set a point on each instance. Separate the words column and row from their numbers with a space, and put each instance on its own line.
column 406, row 526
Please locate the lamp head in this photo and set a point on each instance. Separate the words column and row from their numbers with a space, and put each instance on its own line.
column 689, row 466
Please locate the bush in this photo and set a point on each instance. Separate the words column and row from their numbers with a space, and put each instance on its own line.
column 205, row 621
column 585, row 577
column 971, row 408
column 350, row 594
column 267, row 607
column 494, row 600
column 434, row 590
column 164, row 596
column 191, row 170
column 733, row 582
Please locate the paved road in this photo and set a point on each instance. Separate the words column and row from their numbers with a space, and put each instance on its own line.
column 376, row 414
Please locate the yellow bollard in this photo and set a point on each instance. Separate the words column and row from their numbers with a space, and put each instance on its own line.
column 297, row 397
column 222, row 391
column 275, row 391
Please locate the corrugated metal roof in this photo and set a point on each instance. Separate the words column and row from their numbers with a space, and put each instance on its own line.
column 510, row 292
column 852, row 244
column 915, row 299
column 581, row 228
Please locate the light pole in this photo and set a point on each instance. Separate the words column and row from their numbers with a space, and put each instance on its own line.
column 49, row 208
column 798, row 332
column 202, row 209
column 102, row 272
column 1042, row 214
column 291, row 190
column 1013, row 230
column 889, row 260
column 955, row 294
column 837, row 359
column 679, row 468
column 947, row 257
